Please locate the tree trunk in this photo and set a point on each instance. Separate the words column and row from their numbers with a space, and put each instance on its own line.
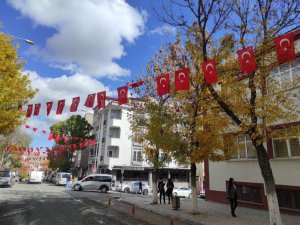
column 266, row 171
column 154, row 187
column 193, row 184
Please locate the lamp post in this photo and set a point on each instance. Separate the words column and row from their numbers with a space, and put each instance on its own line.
column 22, row 39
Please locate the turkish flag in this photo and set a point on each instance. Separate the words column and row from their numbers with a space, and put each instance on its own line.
column 70, row 147
column 37, row 108
column 94, row 142
column 65, row 139
column 20, row 107
column 182, row 80
column 57, row 138
column 29, row 110
column 101, row 97
column 210, row 72
column 75, row 103
column 44, row 131
column 60, row 107
column 247, row 60
column 34, row 129
column 285, row 47
column 122, row 95
column 49, row 107
column 136, row 84
column 89, row 102
column 50, row 137
column 163, row 84
column 81, row 145
column 27, row 126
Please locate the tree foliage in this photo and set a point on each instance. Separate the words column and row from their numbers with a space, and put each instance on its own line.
column 15, row 87
column 75, row 126
column 9, row 157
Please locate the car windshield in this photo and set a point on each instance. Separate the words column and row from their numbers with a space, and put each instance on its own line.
column 65, row 175
column 4, row 174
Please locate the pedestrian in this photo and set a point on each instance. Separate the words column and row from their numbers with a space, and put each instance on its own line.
column 68, row 183
column 161, row 189
column 170, row 187
column 232, row 196
column 140, row 187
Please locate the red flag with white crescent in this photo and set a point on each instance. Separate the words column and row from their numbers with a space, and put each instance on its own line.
column 285, row 47
column 122, row 95
column 101, row 97
column 34, row 129
column 89, row 102
column 44, row 131
column 60, row 106
column 27, row 126
column 163, row 84
column 65, row 139
column 37, row 108
column 75, row 103
column 49, row 107
column 182, row 80
column 247, row 60
column 137, row 84
column 57, row 138
column 50, row 137
column 210, row 72
column 29, row 110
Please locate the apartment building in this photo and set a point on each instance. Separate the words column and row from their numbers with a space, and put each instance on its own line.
column 284, row 154
column 115, row 151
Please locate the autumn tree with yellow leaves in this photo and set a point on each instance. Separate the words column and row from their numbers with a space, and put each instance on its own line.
column 249, row 105
column 15, row 87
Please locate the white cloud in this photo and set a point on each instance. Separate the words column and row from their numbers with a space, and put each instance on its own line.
column 89, row 34
column 54, row 89
column 164, row 30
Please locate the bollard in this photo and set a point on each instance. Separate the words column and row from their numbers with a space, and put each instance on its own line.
column 133, row 210
column 171, row 221
column 109, row 200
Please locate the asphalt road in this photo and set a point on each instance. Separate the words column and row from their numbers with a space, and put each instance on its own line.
column 47, row 204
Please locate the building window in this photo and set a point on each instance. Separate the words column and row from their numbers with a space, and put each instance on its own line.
column 245, row 150
column 116, row 114
column 284, row 146
column 103, row 140
column 249, row 193
column 113, row 151
column 288, row 199
column 114, row 132
column 137, row 155
column 284, row 77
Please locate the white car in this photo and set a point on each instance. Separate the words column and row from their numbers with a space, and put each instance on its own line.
column 133, row 187
column 182, row 192
column 94, row 182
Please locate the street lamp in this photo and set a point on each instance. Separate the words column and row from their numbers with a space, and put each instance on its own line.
column 23, row 39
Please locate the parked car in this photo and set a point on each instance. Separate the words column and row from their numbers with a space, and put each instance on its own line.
column 94, row 182
column 133, row 187
column 61, row 178
column 6, row 178
column 182, row 192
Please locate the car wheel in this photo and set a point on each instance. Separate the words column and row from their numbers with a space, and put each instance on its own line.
column 190, row 195
column 174, row 193
column 145, row 192
column 126, row 190
column 103, row 189
column 77, row 187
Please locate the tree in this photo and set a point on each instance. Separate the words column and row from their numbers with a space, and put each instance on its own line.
column 15, row 87
column 149, row 121
column 9, row 157
column 75, row 126
column 246, row 102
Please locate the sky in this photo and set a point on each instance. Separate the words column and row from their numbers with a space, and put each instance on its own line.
column 80, row 48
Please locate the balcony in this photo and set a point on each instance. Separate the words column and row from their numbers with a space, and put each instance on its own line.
column 114, row 141
column 115, row 123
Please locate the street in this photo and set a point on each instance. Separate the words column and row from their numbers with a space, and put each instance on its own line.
column 33, row 204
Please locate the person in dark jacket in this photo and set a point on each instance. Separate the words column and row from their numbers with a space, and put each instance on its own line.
column 170, row 187
column 140, row 187
column 232, row 196
column 161, row 189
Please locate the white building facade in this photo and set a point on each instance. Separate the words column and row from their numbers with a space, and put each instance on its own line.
column 116, row 151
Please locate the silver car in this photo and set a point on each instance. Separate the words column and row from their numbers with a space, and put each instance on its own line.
column 133, row 187
column 6, row 178
column 94, row 182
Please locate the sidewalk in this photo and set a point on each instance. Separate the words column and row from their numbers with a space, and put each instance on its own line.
column 211, row 213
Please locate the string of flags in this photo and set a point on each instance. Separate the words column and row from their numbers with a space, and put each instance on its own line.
column 285, row 50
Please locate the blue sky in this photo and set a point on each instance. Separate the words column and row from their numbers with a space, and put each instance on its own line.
column 81, row 47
